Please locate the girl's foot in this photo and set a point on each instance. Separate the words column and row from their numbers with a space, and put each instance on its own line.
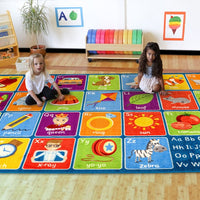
column 65, row 91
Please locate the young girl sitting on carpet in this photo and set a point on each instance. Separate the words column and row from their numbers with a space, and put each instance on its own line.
column 150, row 77
column 36, row 80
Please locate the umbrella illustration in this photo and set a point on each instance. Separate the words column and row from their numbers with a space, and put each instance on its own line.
column 174, row 23
column 105, row 97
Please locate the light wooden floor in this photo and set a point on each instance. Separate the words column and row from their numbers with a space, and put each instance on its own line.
column 77, row 63
column 183, row 186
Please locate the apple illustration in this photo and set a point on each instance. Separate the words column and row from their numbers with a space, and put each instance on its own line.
column 7, row 81
column 73, row 15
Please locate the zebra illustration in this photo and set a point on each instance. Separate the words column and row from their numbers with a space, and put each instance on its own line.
column 153, row 145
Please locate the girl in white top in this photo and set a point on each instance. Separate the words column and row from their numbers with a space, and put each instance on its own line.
column 150, row 72
column 36, row 83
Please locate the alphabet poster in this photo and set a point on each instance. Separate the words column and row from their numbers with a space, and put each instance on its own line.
column 69, row 17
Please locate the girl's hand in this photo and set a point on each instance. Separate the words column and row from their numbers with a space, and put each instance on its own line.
column 39, row 103
column 163, row 92
column 61, row 97
column 135, row 86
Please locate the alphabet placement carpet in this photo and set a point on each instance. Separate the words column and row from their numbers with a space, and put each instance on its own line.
column 102, row 126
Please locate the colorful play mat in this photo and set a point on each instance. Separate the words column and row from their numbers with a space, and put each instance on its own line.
column 102, row 126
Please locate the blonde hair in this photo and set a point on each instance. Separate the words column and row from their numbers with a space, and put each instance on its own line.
column 31, row 64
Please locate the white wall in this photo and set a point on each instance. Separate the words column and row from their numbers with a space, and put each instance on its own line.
column 149, row 16
column 110, row 14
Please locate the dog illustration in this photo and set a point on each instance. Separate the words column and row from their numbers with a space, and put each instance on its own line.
column 104, row 81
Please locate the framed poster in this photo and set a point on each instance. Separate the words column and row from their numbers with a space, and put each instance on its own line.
column 69, row 17
column 174, row 26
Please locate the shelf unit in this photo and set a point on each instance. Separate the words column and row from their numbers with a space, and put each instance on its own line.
column 8, row 40
column 113, row 47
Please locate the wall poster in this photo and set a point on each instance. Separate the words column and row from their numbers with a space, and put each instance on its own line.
column 69, row 17
column 174, row 26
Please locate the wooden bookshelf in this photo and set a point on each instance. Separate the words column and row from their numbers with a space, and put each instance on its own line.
column 127, row 48
column 8, row 41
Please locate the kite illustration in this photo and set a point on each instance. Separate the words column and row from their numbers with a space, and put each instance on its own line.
column 105, row 97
